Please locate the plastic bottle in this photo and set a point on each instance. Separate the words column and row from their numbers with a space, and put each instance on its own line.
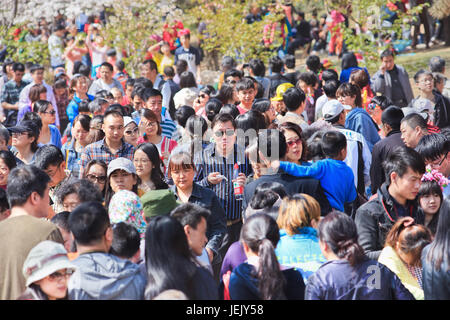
column 238, row 189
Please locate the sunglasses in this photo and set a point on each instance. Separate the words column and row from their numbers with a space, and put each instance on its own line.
column 56, row 276
column 231, row 81
column 132, row 132
column 294, row 142
column 93, row 178
column 50, row 112
column 221, row 133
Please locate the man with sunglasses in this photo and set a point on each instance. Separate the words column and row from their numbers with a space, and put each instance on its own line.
column 10, row 94
column 215, row 170
column 435, row 150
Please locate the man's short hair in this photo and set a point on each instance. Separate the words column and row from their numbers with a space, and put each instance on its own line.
column 113, row 112
column 126, row 240
column 330, row 87
column 151, row 63
column 36, row 67
column 108, row 65
column 329, row 74
column 84, row 189
column 17, row 66
column 414, row 120
column 245, row 84
column 150, row 92
column 289, row 61
column 61, row 220
column 233, row 73
column 169, row 71
column 4, row 133
column 332, row 143
column 392, row 116
column 48, row 155
column 400, row 160
column 276, row 64
column 437, row 64
column 308, row 77
column 23, row 181
column 89, row 222
column 432, row 146
column 120, row 65
column 222, row 118
column 96, row 104
column 190, row 214
column 382, row 101
column 387, row 53
column 293, row 98
column 257, row 66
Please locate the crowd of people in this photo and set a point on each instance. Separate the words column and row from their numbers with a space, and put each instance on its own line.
column 270, row 184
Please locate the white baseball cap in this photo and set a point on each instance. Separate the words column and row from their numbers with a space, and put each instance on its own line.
column 333, row 108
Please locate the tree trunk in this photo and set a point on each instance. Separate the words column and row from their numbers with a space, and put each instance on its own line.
column 447, row 31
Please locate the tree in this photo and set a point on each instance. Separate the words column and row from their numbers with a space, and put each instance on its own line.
column 131, row 23
column 228, row 33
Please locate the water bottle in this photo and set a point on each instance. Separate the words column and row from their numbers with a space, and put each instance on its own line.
column 238, row 189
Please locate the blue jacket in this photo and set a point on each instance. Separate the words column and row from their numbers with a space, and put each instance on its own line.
column 72, row 157
column 335, row 177
column 300, row 251
column 369, row 280
column 360, row 121
column 244, row 285
column 72, row 108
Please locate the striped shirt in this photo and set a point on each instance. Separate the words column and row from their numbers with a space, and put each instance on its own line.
column 209, row 161
column 100, row 151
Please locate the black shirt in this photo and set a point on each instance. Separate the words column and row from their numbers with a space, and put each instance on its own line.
column 398, row 96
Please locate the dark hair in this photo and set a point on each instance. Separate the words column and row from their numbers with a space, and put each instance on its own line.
column 96, row 105
column 89, row 222
column 257, row 66
column 276, row 64
column 392, row 116
column 116, row 107
column 330, row 87
column 245, row 84
column 439, row 249
column 195, row 122
column 23, row 181
column 35, row 92
column 126, row 240
column 332, row 143
column 298, row 130
column 83, row 106
column 84, row 70
column 17, row 66
column 169, row 71
column 313, row 63
column 84, row 121
column 349, row 61
column 225, row 93
column 252, row 119
column 83, row 188
column 8, row 158
column 350, row 89
column 230, row 109
column 60, row 84
column 183, row 113
column 143, row 83
column 308, row 77
column 190, row 214
column 420, row 73
column 33, row 119
column 289, row 61
column 223, row 117
column 274, row 186
column 208, row 89
column 36, row 67
column 408, row 238
column 48, row 155
column 261, row 234
column 437, row 64
column 387, row 53
column 264, row 200
column 168, row 258
column 61, row 220
column 432, row 146
column 414, row 120
column 293, row 98
column 261, row 105
column 150, row 92
column 382, row 101
column 181, row 66
column 4, row 204
column 108, row 65
column 151, row 116
column 156, row 175
column 339, row 232
column 130, row 82
column 41, row 106
column 330, row 74
column 233, row 73
column 93, row 162
column 152, row 64
column 187, row 80
column 314, row 143
column 120, row 65
column 212, row 108
column 400, row 159
column 428, row 188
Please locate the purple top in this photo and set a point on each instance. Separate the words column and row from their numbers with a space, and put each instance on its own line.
column 233, row 258
column 22, row 111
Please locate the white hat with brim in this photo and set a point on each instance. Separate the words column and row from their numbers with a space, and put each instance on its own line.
column 44, row 259
column 332, row 108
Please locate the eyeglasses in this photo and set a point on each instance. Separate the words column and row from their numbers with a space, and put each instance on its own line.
column 220, row 133
column 50, row 112
column 231, row 81
column 56, row 276
column 132, row 132
column 430, row 80
column 440, row 162
column 372, row 106
column 18, row 134
column 93, row 178
column 149, row 124
column 293, row 142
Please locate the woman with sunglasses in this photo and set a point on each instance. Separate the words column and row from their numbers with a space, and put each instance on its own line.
column 131, row 131
column 202, row 98
column 96, row 173
column 47, row 270
column 49, row 133
column 297, row 148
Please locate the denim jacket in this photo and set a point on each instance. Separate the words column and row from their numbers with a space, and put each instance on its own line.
column 72, row 158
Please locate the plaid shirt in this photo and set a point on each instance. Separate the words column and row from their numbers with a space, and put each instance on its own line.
column 100, row 151
column 11, row 91
column 210, row 161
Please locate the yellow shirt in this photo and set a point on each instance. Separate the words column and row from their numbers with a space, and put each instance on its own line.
column 162, row 61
